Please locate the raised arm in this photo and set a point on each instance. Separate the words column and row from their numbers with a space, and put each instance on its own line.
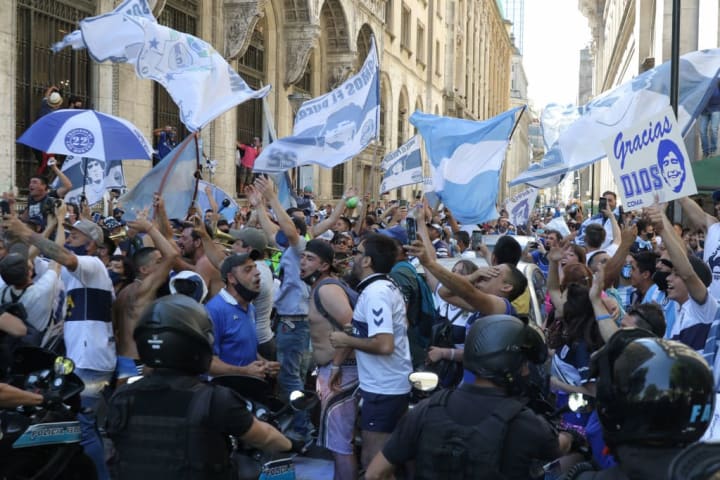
column 65, row 183
column 337, row 212
column 265, row 186
column 698, row 217
column 614, row 265
column 260, row 213
column 47, row 247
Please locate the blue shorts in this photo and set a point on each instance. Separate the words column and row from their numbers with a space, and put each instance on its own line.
column 381, row 413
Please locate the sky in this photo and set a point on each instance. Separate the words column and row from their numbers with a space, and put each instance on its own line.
column 555, row 32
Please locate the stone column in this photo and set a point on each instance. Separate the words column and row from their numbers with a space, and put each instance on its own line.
column 8, row 49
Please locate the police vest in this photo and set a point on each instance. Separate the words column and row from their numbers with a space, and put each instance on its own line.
column 447, row 449
column 160, row 432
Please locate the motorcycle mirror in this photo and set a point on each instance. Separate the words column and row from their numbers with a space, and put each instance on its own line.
column 63, row 366
column 577, row 402
column 300, row 400
column 424, row 381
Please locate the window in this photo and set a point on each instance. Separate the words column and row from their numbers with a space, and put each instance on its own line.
column 251, row 67
column 405, row 28
column 338, row 180
column 39, row 25
column 389, row 15
column 437, row 57
column 420, row 49
column 183, row 18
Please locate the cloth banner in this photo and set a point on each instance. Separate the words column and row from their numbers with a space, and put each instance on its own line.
column 97, row 176
column 520, row 205
column 402, row 166
column 332, row 128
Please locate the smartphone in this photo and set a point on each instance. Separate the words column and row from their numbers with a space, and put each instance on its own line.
column 602, row 204
column 403, row 203
column 411, row 228
column 476, row 239
column 4, row 207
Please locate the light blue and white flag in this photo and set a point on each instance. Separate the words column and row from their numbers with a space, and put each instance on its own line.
column 91, row 177
column 226, row 204
column 74, row 39
column 402, row 166
column 520, row 205
column 581, row 142
column 466, row 158
column 332, row 128
column 173, row 178
column 198, row 78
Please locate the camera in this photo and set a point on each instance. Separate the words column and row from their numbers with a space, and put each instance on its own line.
column 49, row 205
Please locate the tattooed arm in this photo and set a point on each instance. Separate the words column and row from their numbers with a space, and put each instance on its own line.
column 47, row 247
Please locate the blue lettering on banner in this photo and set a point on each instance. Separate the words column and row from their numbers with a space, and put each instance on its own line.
column 644, row 180
column 654, row 132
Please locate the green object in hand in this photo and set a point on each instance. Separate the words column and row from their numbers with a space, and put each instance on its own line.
column 352, row 202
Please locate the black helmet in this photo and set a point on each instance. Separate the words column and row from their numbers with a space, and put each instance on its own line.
column 175, row 332
column 651, row 391
column 497, row 346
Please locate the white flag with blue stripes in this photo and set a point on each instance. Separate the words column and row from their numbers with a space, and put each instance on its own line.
column 581, row 130
column 402, row 166
column 332, row 128
column 466, row 158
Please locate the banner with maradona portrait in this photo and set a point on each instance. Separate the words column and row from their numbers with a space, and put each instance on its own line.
column 649, row 159
column 332, row 128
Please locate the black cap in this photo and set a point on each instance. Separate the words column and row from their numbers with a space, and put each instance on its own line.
column 701, row 270
column 322, row 249
column 14, row 268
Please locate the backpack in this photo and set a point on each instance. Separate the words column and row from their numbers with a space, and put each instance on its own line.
column 33, row 336
column 352, row 296
column 447, row 449
column 427, row 314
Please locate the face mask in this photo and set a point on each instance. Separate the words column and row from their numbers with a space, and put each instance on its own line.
column 626, row 271
column 246, row 294
column 660, row 279
column 115, row 277
column 81, row 250
column 312, row 278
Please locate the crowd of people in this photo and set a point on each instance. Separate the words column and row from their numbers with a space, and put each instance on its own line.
column 344, row 298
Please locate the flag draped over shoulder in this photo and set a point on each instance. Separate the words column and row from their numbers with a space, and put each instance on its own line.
column 332, row 128
column 402, row 166
column 580, row 131
column 96, row 176
column 173, row 178
column 198, row 78
column 466, row 158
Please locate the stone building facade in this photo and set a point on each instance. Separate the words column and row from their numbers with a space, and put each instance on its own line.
column 448, row 57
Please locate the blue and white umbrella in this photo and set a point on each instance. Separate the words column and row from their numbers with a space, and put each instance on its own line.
column 87, row 133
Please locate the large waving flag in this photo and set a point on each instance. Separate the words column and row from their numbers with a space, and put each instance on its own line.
column 332, row 128
column 138, row 8
column 520, row 206
column 402, row 166
column 91, row 177
column 198, row 78
column 466, row 158
column 580, row 142
column 173, row 178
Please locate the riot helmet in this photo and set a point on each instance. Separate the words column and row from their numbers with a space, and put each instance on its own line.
column 175, row 332
column 651, row 391
column 497, row 347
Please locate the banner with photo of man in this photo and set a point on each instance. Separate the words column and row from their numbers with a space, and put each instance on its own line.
column 649, row 159
column 332, row 128
column 96, row 176
column 402, row 166
column 520, row 205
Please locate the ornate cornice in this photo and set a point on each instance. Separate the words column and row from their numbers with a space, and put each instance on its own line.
column 300, row 39
column 240, row 18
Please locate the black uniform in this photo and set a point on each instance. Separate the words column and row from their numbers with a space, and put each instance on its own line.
column 637, row 463
column 173, row 426
column 432, row 434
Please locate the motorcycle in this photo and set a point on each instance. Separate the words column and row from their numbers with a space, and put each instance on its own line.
column 43, row 442
column 251, row 463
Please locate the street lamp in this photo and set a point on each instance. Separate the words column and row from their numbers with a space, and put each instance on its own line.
column 296, row 100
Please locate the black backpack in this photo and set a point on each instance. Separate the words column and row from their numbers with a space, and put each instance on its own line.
column 34, row 336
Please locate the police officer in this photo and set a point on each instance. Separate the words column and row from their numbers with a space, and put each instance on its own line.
column 171, row 425
column 480, row 430
column 654, row 397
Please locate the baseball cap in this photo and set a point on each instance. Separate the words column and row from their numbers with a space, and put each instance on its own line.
column 322, row 249
column 308, row 188
column 236, row 260
column 252, row 237
column 14, row 268
column 90, row 230
column 396, row 232
column 701, row 270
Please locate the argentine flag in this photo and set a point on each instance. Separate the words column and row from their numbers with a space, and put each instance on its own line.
column 466, row 158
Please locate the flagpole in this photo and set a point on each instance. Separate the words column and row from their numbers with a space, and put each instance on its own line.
column 517, row 121
column 198, row 173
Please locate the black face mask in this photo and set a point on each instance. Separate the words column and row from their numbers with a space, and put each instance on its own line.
column 312, row 278
column 246, row 294
column 660, row 279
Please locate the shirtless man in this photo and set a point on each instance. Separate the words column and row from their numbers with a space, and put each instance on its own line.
column 194, row 258
column 331, row 309
column 152, row 266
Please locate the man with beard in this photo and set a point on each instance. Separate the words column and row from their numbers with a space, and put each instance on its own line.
column 233, row 317
column 193, row 252
column 88, row 333
column 331, row 309
column 380, row 342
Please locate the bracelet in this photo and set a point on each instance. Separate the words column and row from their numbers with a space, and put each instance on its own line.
column 334, row 367
column 603, row 317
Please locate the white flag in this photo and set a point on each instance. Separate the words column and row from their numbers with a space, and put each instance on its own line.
column 520, row 205
column 402, row 166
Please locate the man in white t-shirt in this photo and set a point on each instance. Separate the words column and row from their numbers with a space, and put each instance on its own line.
column 381, row 344
column 88, row 328
column 700, row 219
column 688, row 286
